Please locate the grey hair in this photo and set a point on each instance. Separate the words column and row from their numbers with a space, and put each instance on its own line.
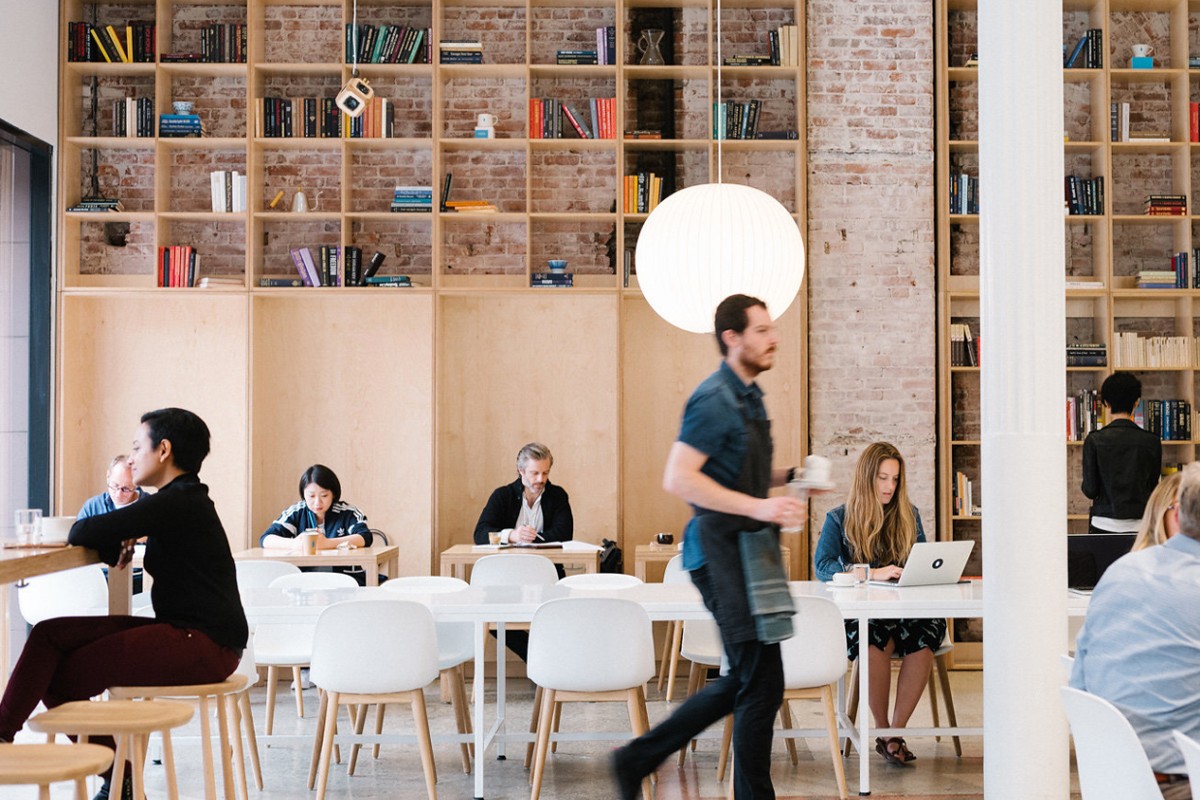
column 117, row 460
column 1189, row 501
column 534, row 451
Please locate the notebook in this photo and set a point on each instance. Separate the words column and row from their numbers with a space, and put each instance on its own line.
column 1090, row 554
column 933, row 564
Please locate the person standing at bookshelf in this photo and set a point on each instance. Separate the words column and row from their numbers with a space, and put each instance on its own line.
column 121, row 492
column 721, row 465
column 1121, row 462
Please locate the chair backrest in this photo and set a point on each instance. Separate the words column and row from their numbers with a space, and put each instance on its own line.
column 425, row 584
column 674, row 571
column 1191, row 757
column 513, row 569
column 314, row 580
column 701, row 642
column 600, row 580
column 258, row 573
column 374, row 647
column 816, row 654
column 1112, row 763
column 78, row 592
column 1068, row 664
column 379, row 537
column 590, row 644
column 455, row 640
column 247, row 665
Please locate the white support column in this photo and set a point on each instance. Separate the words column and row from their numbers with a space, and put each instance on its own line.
column 1023, row 390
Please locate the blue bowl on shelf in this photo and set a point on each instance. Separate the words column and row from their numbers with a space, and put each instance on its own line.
column 557, row 264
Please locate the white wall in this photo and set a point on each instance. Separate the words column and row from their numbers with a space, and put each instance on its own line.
column 29, row 64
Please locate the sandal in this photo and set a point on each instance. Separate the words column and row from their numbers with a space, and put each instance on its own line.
column 907, row 754
column 893, row 750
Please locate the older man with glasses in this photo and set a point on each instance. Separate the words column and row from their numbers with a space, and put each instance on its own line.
column 122, row 491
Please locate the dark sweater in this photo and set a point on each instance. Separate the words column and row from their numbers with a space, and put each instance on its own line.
column 1121, row 465
column 504, row 506
column 187, row 554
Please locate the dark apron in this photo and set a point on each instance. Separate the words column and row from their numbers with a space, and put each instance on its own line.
column 719, row 533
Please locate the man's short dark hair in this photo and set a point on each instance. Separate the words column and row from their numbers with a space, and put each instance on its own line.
column 186, row 432
column 324, row 477
column 731, row 316
column 1120, row 392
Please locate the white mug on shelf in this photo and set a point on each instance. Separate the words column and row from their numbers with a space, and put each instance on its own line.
column 1142, row 50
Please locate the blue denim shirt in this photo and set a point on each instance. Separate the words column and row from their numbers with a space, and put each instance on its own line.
column 833, row 551
column 712, row 424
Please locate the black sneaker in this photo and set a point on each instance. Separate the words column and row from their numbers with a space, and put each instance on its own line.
column 126, row 789
column 629, row 785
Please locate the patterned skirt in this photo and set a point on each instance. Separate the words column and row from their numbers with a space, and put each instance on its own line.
column 910, row 635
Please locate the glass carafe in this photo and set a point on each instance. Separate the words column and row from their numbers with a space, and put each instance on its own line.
column 648, row 45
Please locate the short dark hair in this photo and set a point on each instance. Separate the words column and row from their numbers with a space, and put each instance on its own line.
column 324, row 477
column 187, row 433
column 1120, row 392
column 731, row 316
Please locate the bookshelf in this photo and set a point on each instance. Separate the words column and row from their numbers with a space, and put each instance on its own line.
column 418, row 397
column 1105, row 251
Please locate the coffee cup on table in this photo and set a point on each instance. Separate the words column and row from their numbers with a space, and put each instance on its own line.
column 843, row 579
column 308, row 542
column 665, row 538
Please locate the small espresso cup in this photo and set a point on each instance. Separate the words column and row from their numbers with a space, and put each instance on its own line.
column 493, row 537
column 665, row 538
column 1142, row 50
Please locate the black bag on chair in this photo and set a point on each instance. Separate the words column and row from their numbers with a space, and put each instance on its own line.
column 611, row 558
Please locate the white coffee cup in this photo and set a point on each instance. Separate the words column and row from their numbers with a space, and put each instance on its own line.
column 55, row 529
column 816, row 469
column 1142, row 50
column 843, row 579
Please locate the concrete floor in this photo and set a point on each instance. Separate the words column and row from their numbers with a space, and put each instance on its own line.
column 579, row 769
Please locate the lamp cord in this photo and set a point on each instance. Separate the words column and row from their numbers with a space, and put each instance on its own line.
column 354, row 42
column 720, row 110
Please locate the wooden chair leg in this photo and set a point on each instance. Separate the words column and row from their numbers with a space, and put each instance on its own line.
column 272, row 685
column 785, row 717
column 359, row 717
column 729, row 792
column 851, row 704
column 693, row 674
column 251, row 738
column 223, row 742
column 557, row 717
column 299, row 693
column 545, row 721
column 948, row 697
column 931, row 688
column 210, row 780
column 380, row 710
column 839, row 769
column 137, row 750
column 458, row 700
column 235, row 741
column 168, row 761
column 327, row 729
column 318, row 738
column 80, row 790
column 676, row 643
column 534, row 718
column 726, row 741
column 424, row 742
column 635, row 700
column 666, row 654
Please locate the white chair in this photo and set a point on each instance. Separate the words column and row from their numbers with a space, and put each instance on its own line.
column 600, row 580
column 355, row 665
column 586, row 649
column 1112, row 763
column 513, row 569
column 258, row 573
column 456, row 646
column 672, row 573
column 814, row 660
column 289, row 645
column 79, row 592
column 1068, row 664
column 1191, row 758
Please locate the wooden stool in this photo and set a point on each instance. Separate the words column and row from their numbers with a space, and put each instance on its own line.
column 43, row 764
column 130, row 723
column 224, row 694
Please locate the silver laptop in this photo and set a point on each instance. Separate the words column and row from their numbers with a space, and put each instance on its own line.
column 933, row 564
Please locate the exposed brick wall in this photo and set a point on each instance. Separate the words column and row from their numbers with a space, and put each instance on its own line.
column 304, row 34
column 871, row 238
column 407, row 244
column 375, row 173
column 500, row 29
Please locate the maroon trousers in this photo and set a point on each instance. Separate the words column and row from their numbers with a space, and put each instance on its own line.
column 74, row 658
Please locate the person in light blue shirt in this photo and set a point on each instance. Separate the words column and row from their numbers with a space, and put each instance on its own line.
column 1140, row 645
column 121, row 490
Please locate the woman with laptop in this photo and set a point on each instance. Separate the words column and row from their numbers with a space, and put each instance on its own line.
column 878, row 526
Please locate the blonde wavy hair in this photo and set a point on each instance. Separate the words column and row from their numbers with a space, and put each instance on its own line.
column 879, row 534
column 1153, row 527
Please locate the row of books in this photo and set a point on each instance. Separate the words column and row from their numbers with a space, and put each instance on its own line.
column 964, row 194
column 733, row 120
column 1131, row 351
column 560, row 279
column 320, row 118
column 784, row 44
column 642, row 192
column 576, row 57
column 319, row 270
column 223, row 43
column 1085, row 195
column 1085, row 414
column 177, row 265
column 1166, row 205
column 550, row 118
column 1088, row 52
column 465, row 51
column 606, row 44
column 175, row 126
column 1120, row 129
column 90, row 204
column 964, row 501
column 964, row 347
column 389, row 44
column 133, row 116
column 1179, row 276
column 410, row 199
column 1087, row 355
column 1170, row 419
column 134, row 42
column 228, row 191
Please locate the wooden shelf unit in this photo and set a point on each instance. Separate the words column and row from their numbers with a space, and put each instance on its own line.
column 418, row 398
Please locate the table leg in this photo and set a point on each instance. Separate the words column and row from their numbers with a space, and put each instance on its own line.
column 371, row 567
column 446, row 569
column 501, row 688
column 477, row 690
column 120, row 591
column 864, row 710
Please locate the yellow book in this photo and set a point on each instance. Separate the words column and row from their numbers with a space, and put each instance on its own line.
column 100, row 46
column 116, row 40
column 129, row 41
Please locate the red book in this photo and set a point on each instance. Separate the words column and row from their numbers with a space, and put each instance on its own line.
column 574, row 122
column 1194, row 122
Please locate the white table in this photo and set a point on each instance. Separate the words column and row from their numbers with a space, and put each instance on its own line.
column 499, row 605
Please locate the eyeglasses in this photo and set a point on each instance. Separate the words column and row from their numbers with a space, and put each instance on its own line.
column 122, row 489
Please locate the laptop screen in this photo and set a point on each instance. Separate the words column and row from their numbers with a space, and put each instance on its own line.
column 1090, row 554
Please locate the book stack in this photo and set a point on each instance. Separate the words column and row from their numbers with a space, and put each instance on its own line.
column 643, row 192
column 963, row 500
column 389, row 280
column 1156, row 279
column 1083, row 414
column 216, row 282
column 1085, row 195
column 1166, row 205
column 576, row 57
column 228, row 191
column 736, row 120
column 177, row 126
column 1089, row 48
column 412, row 199
column 97, row 204
column 131, row 43
column 223, row 43
column 643, row 133
column 177, row 266
column 388, row 44
column 460, row 52
column 278, row 281
column 964, row 348
column 964, row 194
column 748, row 61
column 563, row 279
column 1087, row 355
column 471, row 207
column 133, row 116
column 784, row 44
column 1118, row 122
column 319, row 270
column 1170, row 419
column 788, row 134
column 606, row 44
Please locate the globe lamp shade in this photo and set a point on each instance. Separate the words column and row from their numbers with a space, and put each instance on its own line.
column 706, row 242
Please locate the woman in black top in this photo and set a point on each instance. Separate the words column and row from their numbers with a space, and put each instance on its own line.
column 199, row 629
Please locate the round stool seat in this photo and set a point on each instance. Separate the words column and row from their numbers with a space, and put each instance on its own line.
column 111, row 718
column 231, row 685
column 41, row 764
